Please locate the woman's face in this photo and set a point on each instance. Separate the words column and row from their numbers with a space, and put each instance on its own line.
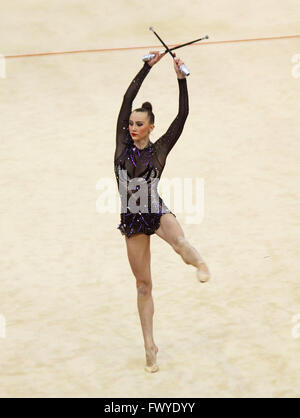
column 139, row 125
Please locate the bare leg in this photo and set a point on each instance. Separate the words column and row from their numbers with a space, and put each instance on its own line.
column 190, row 255
column 146, row 312
column 171, row 231
column 138, row 250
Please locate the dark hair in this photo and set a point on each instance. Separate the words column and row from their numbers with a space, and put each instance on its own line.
column 147, row 107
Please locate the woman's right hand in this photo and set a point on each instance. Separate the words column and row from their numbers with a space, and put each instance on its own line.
column 177, row 62
column 157, row 58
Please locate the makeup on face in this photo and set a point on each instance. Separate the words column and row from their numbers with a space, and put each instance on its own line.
column 138, row 128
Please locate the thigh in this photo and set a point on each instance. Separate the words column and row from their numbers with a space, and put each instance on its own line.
column 169, row 229
column 138, row 251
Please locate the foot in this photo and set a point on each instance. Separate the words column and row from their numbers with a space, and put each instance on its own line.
column 203, row 274
column 151, row 353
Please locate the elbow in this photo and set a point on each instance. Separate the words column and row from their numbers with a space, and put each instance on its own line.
column 187, row 110
column 184, row 110
column 185, row 113
column 187, row 107
column 182, row 115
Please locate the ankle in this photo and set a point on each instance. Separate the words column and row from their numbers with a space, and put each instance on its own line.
column 200, row 263
column 149, row 345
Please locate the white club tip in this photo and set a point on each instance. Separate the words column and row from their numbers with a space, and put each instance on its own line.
column 151, row 28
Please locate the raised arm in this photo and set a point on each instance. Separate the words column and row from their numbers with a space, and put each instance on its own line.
column 126, row 108
column 166, row 142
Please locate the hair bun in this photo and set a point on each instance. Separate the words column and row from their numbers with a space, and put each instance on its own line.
column 147, row 105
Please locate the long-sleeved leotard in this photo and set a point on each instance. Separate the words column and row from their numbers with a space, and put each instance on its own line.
column 142, row 168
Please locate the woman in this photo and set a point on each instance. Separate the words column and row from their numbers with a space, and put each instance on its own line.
column 142, row 161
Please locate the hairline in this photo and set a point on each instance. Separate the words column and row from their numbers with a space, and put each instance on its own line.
column 140, row 111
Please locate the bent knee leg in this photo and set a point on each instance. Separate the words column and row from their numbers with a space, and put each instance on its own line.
column 188, row 253
column 179, row 244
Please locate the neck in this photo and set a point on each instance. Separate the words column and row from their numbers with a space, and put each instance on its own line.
column 142, row 143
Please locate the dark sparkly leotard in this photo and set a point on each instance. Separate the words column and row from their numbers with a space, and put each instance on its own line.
column 143, row 168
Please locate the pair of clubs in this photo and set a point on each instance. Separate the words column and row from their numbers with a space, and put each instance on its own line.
column 182, row 67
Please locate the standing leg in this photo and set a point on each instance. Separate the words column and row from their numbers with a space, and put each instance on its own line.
column 171, row 231
column 138, row 251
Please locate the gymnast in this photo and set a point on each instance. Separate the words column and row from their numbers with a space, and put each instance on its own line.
column 144, row 212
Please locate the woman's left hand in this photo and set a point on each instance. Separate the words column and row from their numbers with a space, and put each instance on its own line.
column 157, row 58
column 177, row 63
